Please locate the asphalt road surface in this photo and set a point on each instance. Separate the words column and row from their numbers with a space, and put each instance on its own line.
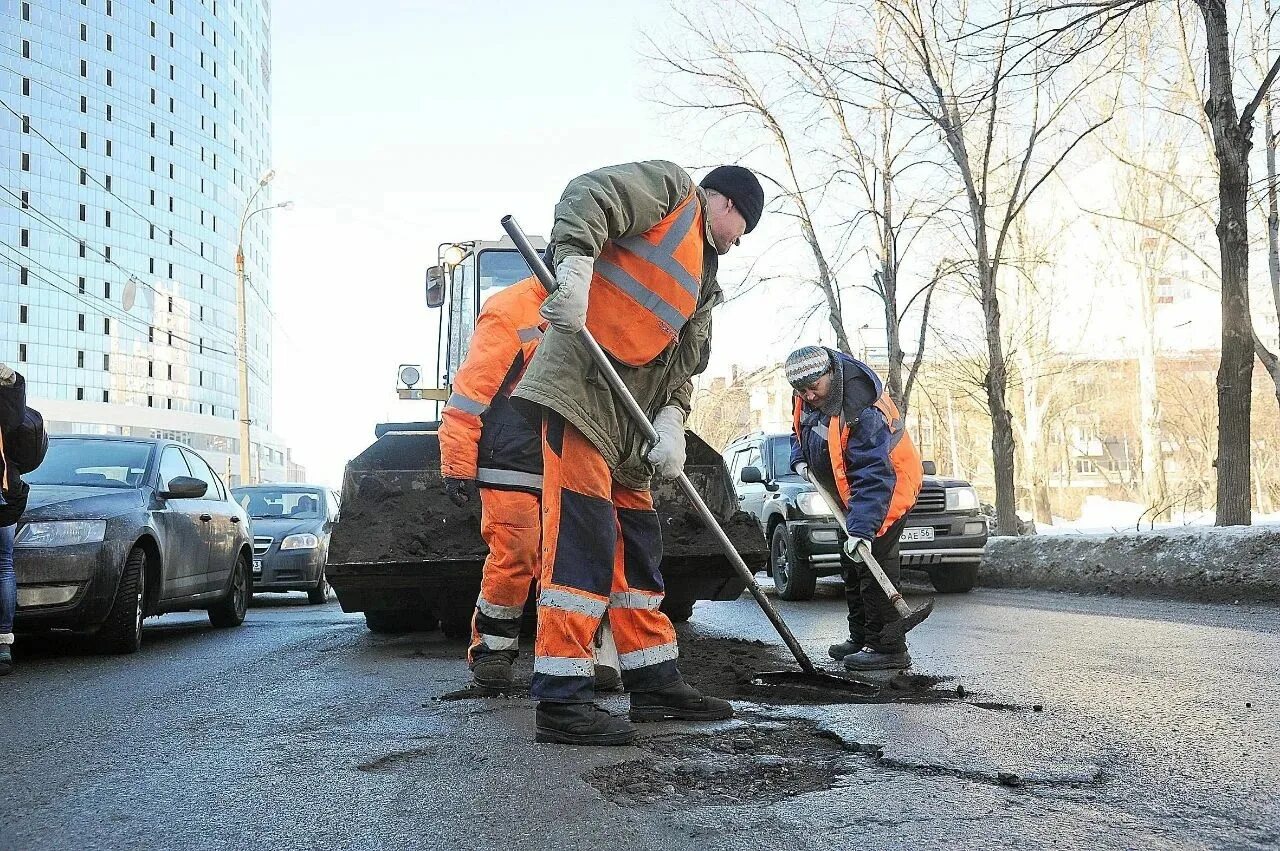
column 1157, row 728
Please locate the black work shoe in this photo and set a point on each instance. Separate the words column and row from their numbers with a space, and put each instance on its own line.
column 607, row 679
column 492, row 673
column 681, row 701
column 843, row 649
column 6, row 660
column 867, row 659
column 580, row 724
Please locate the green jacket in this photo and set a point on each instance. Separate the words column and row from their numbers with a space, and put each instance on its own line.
column 612, row 203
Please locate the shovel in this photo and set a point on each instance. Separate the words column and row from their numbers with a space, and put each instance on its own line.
column 810, row 675
column 909, row 618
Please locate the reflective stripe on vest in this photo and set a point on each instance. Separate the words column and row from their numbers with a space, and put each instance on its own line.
column 644, row 288
column 509, row 478
column 465, row 404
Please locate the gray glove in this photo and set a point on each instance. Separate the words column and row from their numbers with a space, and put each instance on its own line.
column 853, row 548
column 7, row 376
column 566, row 308
column 802, row 470
column 667, row 455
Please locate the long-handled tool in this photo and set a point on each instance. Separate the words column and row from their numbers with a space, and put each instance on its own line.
column 602, row 362
column 910, row 618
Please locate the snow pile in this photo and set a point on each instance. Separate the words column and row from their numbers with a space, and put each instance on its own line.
column 1099, row 516
column 1202, row 563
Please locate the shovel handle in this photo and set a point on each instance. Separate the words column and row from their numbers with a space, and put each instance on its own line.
column 638, row 416
column 864, row 550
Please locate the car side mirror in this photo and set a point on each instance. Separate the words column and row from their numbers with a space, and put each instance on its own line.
column 435, row 287
column 185, row 487
column 930, row 468
column 751, row 476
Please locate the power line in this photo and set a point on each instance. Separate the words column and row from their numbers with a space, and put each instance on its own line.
column 132, row 276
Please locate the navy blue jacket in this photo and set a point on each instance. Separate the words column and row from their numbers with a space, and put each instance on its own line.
column 871, row 474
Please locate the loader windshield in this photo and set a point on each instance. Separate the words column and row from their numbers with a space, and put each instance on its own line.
column 500, row 269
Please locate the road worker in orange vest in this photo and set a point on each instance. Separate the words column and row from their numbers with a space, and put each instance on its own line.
column 636, row 248
column 486, row 446
column 849, row 436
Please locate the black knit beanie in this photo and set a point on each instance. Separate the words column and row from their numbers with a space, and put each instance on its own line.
column 740, row 186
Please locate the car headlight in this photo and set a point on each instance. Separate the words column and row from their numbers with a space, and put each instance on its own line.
column 812, row 504
column 961, row 499
column 61, row 533
column 304, row 541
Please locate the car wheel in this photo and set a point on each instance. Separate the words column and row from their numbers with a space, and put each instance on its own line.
column 230, row 610
column 793, row 577
column 320, row 593
column 954, row 580
column 677, row 607
column 397, row 621
column 122, row 631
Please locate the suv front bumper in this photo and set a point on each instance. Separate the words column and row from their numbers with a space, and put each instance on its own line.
column 819, row 541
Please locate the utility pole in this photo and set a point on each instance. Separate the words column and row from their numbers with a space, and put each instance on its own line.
column 242, row 330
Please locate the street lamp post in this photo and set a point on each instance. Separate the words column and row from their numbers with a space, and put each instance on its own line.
column 242, row 331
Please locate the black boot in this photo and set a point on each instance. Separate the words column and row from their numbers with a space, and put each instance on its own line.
column 607, row 679
column 843, row 649
column 492, row 673
column 580, row 724
column 867, row 659
column 681, row 701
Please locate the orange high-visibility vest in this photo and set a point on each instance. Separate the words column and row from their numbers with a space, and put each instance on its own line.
column 907, row 466
column 644, row 288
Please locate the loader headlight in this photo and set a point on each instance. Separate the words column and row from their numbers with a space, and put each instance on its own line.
column 61, row 533
column 961, row 499
column 305, row 541
column 812, row 504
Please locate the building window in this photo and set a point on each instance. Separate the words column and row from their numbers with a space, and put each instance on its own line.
column 107, row 179
column 107, row 217
column 106, row 289
column 151, row 265
column 106, row 253
column 106, row 363
column 82, row 287
column 153, row 29
column 22, row 275
column 79, row 394
column 25, row 199
column 106, row 397
column 26, row 161
column 83, row 253
column 202, row 381
column 84, row 68
column 84, row 140
column 109, row 83
column 106, row 325
column 26, row 49
column 168, row 403
column 26, row 85
column 108, row 147
column 26, row 11
column 26, row 124
column 22, row 352
column 153, row 197
column 151, row 369
column 84, row 103
column 108, row 112
column 171, row 297
column 108, row 8
column 22, row 313
column 151, row 334
column 81, row 321
column 151, row 401
column 108, row 41
column 171, row 338
column 24, row 237
column 84, row 213
column 80, row 360
column 170, row 372
column 153, row 62
column 84, row 32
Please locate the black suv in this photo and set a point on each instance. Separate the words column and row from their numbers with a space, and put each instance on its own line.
column 944, row 536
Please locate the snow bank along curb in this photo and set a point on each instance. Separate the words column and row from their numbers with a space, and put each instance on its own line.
column 1229, row 564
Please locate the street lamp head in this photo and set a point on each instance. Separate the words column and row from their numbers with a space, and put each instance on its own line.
column 267, row 176
column 285, row 205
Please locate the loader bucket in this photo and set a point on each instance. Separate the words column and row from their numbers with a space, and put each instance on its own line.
column 407, row 556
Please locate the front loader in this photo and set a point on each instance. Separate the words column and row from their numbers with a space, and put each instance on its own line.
column 410, row 559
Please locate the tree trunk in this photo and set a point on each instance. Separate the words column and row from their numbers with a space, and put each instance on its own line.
column 1269, row 359
column 1153, row 479
column 1235, row 371
column 997, row 380
column 889, row 269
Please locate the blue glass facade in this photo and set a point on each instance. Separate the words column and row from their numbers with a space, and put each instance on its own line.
column 134, row 132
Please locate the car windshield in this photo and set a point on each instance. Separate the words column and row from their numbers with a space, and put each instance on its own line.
column 92, row 463
column 780, row 456
column 268, row 503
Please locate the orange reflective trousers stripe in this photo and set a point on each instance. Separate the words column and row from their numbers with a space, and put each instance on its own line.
column 601, row 552
column 511, row 525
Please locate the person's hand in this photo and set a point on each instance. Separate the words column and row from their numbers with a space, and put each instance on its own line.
column 853, row 548
column 802, row 470
column 667, row 455
column 566, row 308
column 459, row 491
column 7, row 376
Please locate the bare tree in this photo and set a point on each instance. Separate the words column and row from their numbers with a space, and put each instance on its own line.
column 1069, row 29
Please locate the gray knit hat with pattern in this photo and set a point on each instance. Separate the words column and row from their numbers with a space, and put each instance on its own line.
column 806, row 364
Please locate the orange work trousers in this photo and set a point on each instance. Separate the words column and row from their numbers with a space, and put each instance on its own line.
column 511, row 524
column 601, row 552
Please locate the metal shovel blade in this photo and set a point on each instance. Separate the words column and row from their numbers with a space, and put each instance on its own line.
column 914, row 619
column 816, row 680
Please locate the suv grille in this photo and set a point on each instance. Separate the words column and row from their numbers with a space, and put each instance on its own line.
column 932, row 501
column 261, row 543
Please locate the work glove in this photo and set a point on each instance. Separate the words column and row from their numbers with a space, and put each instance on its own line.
column 667, row 455
column 7, row 376
column 459, row 491
column 566, row 308
column 853, row 548
column 802, row 470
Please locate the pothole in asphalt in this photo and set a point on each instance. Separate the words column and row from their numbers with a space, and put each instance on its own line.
column 763, row 763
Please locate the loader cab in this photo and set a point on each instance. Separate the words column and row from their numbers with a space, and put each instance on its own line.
column 467, row 275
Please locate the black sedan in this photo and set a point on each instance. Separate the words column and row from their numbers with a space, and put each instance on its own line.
column 291, row 525
column 118, row 529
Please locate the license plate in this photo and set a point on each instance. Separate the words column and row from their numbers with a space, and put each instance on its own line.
column 257, row 563
column 917, row 533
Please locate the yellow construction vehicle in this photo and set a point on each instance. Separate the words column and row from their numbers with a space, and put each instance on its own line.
column 410, row 559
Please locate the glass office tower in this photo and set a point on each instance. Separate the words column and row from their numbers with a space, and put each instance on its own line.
column 135, row 133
